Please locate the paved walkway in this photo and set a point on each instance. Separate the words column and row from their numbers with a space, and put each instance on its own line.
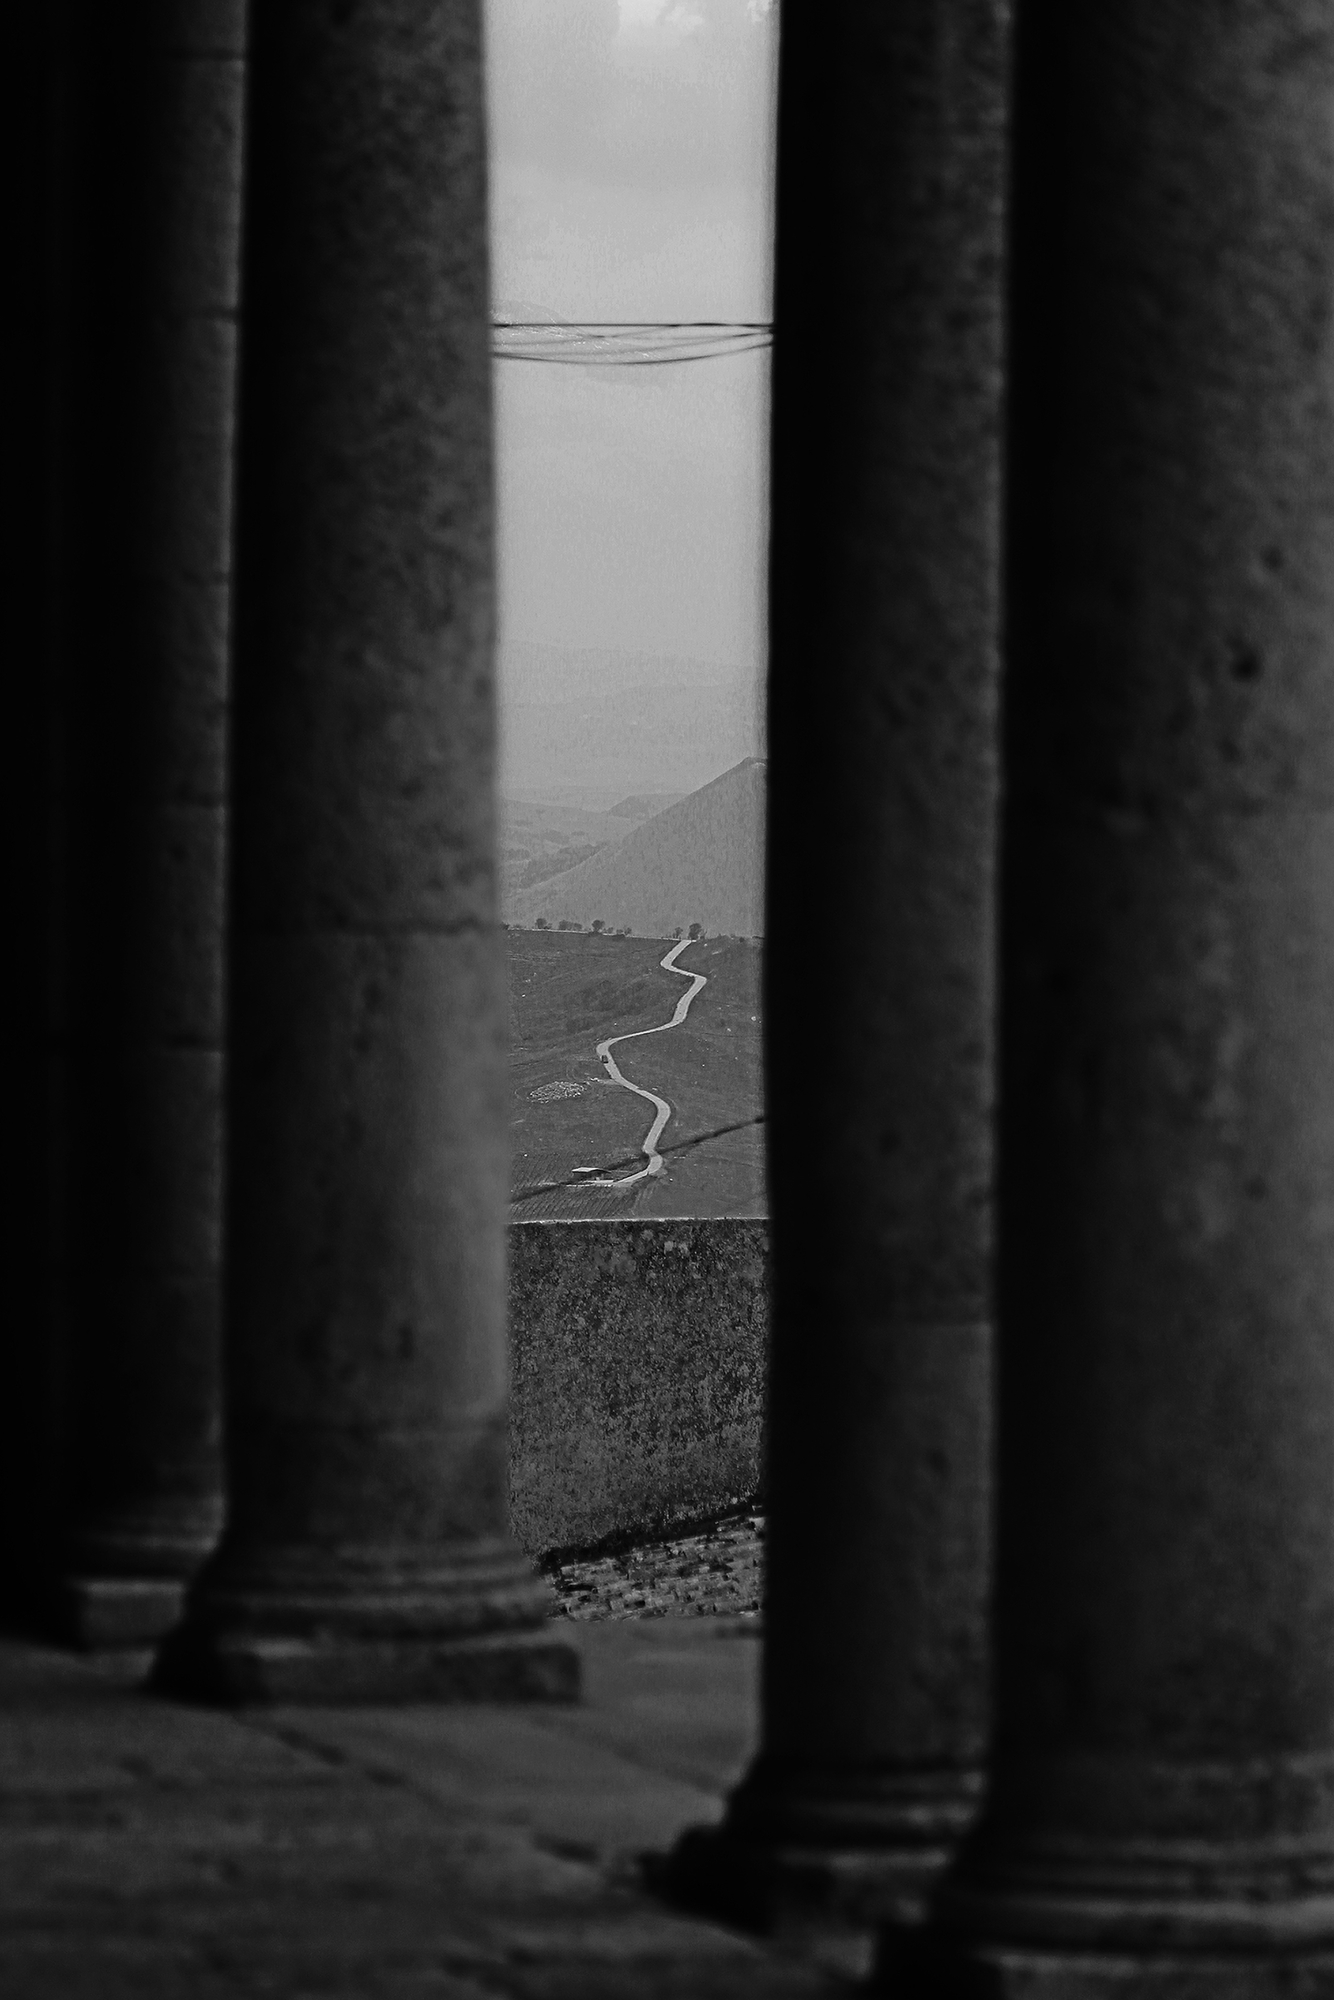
column 155, row 1851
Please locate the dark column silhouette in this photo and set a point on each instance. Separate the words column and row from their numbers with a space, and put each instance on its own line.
column 151, row 157
column 1162, row 1813
column 29, row 1491
column 882, row 781
column 367, row 1552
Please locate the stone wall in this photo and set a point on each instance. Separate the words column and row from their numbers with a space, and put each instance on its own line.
column 638, row 1353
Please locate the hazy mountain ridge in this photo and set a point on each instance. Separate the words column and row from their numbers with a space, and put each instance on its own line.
column 644, row 805
column 699, row 861
column 540, row 839
column 532, row 672
column 628, row 722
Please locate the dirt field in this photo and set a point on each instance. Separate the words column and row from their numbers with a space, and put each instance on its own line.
column 567, row 993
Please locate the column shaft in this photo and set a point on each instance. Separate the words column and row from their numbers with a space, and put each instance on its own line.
column 879, row 978
column 29, row 1490
column 1162, row 1817
column 152, row 118
column 367, row 1550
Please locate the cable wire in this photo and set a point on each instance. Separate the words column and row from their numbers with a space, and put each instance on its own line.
column 626, row 343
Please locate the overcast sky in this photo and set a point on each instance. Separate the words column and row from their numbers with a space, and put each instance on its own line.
column 631, row 170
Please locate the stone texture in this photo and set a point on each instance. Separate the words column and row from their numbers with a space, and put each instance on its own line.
column 884, row 612
column 117, row 1612
column 1164, row 1777
column 368, row 1162
column 239, row 1669
column 715, row 1573
column 149, row 240
column 638, row 1355
column 158, row 1851
column 1002, row 1972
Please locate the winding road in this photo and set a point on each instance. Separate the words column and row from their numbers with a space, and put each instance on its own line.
column 663, row 1109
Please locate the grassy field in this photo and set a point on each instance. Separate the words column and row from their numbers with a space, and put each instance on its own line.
column 570, row 991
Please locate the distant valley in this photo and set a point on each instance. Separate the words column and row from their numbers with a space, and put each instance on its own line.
column 541, row 837
column 632, row 813
column 700, row 860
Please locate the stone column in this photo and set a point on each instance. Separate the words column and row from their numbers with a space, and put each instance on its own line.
column 151, row 117
column 29, row 1493
column 367, row 1552
column 1162, row 1818
column 878, row 994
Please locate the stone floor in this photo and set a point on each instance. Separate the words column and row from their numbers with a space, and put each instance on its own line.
column 155, row 1851
column 715, row 1573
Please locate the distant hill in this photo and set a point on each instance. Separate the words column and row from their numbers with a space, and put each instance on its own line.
column 699, row 861
column 619, row 724
column 537, row 840
column 643, row 805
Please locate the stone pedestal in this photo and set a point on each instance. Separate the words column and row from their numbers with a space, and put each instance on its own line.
column 1162, row 1813
column 367, row 1553
column 151, row 114
column 879, row 982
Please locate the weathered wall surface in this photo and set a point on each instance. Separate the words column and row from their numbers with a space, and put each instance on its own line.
column 638, row 1355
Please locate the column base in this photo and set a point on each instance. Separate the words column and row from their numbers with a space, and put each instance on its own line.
column 768, row 1887
column 238, row 1668
column 116, row 1613
column 822, row 1849
column 912, row 1965
column 164, row 1538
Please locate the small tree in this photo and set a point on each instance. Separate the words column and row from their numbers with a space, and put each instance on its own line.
column 677, row 932
column 697, row 930
column 598, row 924
column 542, row 924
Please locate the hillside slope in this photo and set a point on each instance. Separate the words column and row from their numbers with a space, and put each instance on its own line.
column 567, row 991
column 643, row 805
column 701, row 861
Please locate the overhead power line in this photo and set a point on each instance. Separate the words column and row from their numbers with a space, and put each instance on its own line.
column 627, row 343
